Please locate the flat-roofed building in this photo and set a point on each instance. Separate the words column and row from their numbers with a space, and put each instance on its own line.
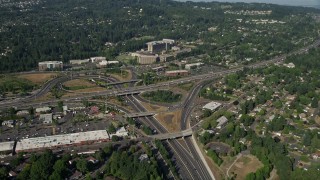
column 166, row 58
column 212, row 106
column 105, row 63
column 61, row 140
column 43, row 109
column 148, row 59
column 193, row 65
column 79, row 62
column 222, row 121
column 177, row 73
column 50, row 65
column 9, row 123
column 6, row 146
column 97, row 59
column 158, row 46
column 46, row 118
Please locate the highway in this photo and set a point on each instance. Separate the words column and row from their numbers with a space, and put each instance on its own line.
column 187, row 166
column 138, row 89
column 188, row 159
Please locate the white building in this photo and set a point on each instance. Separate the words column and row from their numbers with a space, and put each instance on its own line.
column 122, row 132
column 190, row 66
column 212, row 106
column 61, row 140
column 46, row 118
column 105, row 63
column 8, row 123
column 97, row 59
column 23, row 112
column 79, row 61
column 50, row 65
column 222, row 121
column 289, row 65
column 43, row 109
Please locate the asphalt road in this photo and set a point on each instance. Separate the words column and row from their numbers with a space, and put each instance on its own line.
column 191, row 167
column 139, row 89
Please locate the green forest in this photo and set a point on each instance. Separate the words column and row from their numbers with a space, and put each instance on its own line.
column 59, row 30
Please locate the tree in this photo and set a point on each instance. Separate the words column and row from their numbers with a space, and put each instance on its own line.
column 82, row 166
column 60, row 168
column 60, row 106
column 24, row 174
column 12, row 112
column 3, row 173
column 315, row 103
column 115, row 138
column 247, row 120
column 112, row 129
column 307, row 139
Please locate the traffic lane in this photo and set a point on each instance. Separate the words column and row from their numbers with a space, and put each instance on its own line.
column 197, row 158
column 188, row 161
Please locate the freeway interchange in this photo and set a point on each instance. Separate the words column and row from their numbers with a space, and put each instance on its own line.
column 190, row 162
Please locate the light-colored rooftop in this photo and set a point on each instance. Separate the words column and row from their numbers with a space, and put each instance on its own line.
column 6, row 146
column 212, row 106
column 177, row 71
column 50, row 62
column 221, row 121
column 60, row 140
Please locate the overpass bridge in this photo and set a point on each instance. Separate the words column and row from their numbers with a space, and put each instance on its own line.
column 113, row 82
column 185, row 133
column 140, row 114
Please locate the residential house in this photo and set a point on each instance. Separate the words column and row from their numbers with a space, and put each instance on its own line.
column 9, row 123
column 222, row 121
column 92, row 160
column 76, row 175
column 46, row 118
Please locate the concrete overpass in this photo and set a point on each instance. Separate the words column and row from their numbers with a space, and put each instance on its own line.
column 140, row 114
column 185, row 133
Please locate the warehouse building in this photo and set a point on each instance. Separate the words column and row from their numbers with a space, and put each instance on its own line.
column 177, row 73
column 193, row 65
column 79, row 61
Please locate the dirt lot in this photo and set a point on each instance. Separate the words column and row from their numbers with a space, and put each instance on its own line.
column 245, row 165
column 78, row 82
column 154, row 108
column 38, row 78
column 170, row 120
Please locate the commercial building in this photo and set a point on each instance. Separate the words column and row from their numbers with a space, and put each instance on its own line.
column 79, row 62
column 43, row 109
column 193, row 65
column 105, row 63
column 166, row 58
column 97, row 59
column 148, row 59
column 145, row 57
column 177, row 73
column 50, row 65
column 60, row 140
column 212, row 106
column 158, row 46
column 6, row 146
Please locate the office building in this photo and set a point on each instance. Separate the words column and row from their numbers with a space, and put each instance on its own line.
column 50, row 65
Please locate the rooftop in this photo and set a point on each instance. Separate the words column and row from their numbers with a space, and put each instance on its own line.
column 50, row 62
column 212, row 106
